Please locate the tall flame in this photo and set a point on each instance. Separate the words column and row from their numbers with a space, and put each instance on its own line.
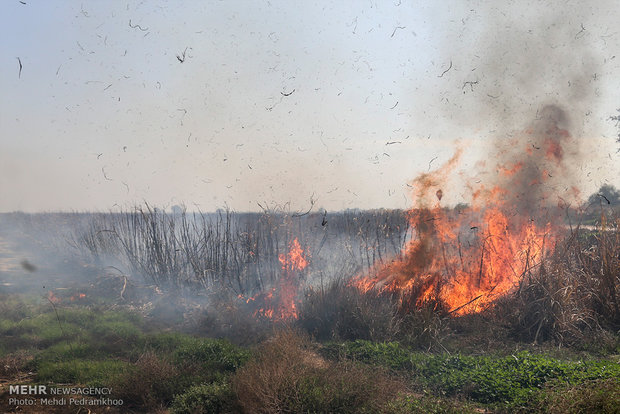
column 466, row 259
column 281, row 301
column 292, row 263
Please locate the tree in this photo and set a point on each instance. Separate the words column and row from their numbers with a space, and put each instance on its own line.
column 607, row 194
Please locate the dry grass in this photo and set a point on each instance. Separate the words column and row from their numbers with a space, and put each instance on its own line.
column 14, row 364
column 573, row 297
column 600, row 396
column 151, row 384
column 344, row 312
column 288, row 376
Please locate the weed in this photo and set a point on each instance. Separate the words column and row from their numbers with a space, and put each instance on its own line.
column 215, row 398
column 286, row 375
column 512, row 380
column 596, row 396
column 151, row 382
column 344, row 312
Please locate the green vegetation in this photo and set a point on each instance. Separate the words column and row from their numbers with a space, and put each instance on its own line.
column 510, row 381
column 79, row 371
column 289, row 372
column 215, row 398
column 552, row 345
column 114, row 349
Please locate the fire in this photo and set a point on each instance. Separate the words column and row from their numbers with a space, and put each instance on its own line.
column 465, row 260
column 52, row 297
column 281, row 301
column 292, row 263
column 464, row 267
column 295, row 259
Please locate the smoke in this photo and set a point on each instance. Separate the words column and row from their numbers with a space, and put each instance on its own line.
column 427, row 187
column 36, row 255
column 529, row 78
column 510, row 62
column 533, row 171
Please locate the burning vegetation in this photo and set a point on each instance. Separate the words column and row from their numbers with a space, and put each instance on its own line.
column 280, row 302
column 508, row 301
column 342, row 308
column 463, row 260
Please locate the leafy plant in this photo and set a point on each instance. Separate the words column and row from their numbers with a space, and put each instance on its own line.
column 213, row 398
column 511, row 380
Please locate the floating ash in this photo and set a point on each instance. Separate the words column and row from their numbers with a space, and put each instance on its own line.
column 464, row 260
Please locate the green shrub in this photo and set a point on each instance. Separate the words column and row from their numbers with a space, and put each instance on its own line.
column 211, row 354
column 213, row 398
column 512, row 380
column 387, row 354
column 168, row 342
column 64, row 351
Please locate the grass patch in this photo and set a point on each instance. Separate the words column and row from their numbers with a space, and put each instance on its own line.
column 84, row 372
column 105, row 331
column 214, row 398
column 596, row 396
column 430, row 404
column 112, row 348
column 512, row 380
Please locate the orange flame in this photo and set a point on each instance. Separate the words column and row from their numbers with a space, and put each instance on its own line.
column 295, row 259
column 465, row 272
column 280, row 302
column 52, row 297
column 465, row 260
column 292, row 263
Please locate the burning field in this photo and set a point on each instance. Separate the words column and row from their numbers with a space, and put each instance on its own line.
column 284, row 311
column 310, row 207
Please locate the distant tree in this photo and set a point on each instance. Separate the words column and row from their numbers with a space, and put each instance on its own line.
column 607, row 194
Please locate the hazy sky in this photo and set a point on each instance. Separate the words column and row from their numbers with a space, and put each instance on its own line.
column 234, row 103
